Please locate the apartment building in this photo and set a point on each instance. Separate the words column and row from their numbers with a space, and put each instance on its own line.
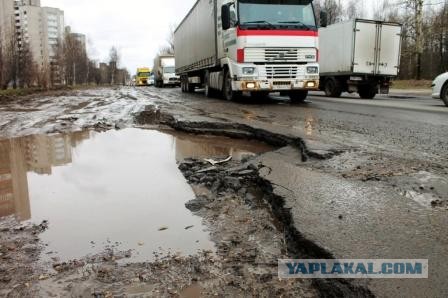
column 29, row 31
column 52, row 29
column 40, row 28
column 81, row 38
column 7, row 19
column 53, row 35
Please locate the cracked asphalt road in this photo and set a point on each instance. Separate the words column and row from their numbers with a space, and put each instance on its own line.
column 382, row 195
column 377, row 198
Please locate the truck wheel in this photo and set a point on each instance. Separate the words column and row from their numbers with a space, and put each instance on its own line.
column 209, row 92
column 367, row 92
column 444, row 94
column 333, row 88
column 190, row 87
column 228, row 92
column 298, row 96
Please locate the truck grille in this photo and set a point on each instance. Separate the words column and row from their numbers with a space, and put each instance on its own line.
column 282, row 83
column 281, row 72
column 280, row 55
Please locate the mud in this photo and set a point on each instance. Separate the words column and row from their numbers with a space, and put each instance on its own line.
column 153, row 115
column 251, row 214
column 20, row 249
column 244, row 180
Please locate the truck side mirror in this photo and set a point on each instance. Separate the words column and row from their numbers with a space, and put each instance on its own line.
column 323, row 19
column 225, row 16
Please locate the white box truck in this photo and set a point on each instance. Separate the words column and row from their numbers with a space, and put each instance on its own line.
column 164, row 71
column 359, row 56
column 257, row 46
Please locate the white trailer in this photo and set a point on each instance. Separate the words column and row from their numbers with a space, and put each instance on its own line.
column 359, row 56
column 164, row 71
column 257, row 46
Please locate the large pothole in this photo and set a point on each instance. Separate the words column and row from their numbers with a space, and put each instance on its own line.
column 116, row 189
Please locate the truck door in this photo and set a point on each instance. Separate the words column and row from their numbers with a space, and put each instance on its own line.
column 364, row 47
column 389, row 49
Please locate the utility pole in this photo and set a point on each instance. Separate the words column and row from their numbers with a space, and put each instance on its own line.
column 74, row 74
column 88, row 72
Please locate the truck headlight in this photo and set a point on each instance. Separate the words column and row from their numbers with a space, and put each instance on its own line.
column 312, row 69
column 248, row 70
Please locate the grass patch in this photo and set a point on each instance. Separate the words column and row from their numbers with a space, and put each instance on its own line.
column 411, row 84
column 19, row 92
column 12, row 94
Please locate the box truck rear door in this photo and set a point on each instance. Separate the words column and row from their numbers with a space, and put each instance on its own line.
column 364, row 47
column 389, row 53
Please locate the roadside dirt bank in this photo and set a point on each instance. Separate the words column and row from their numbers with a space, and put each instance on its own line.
column 249, row 223
column 250, row 228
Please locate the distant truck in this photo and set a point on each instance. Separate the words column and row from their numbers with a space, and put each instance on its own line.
column 231, row 47
column 165, row 71
column 359, row 56
column 142, row 76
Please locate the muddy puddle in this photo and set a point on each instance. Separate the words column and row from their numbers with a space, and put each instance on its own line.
column 116, row 189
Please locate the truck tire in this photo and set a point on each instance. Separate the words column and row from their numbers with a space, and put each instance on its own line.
column 209, row 92
column 190, row 87
column 367, row 92
column 332, row 88
column 298, row 96
column 444, row 94
column 227, row 91
column 182, row 86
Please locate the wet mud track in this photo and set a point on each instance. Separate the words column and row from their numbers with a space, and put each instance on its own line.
column 250, row 212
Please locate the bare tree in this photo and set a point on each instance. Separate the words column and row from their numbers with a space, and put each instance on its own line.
column 414, row 20
column 354, row 10
column 27, row 68
column 12, row 57
column 332, row 7
column 2, row 60
column 169, row 47
column 44, row 75
column 114, row 61
column 382, row 10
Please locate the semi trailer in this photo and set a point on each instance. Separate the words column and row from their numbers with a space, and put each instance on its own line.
column 361, row 56
column 233, row 46
column 164, row 71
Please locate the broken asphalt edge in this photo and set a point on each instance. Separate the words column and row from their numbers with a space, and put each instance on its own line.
column 298, row 246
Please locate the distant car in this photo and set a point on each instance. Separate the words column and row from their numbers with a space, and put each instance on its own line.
column 440, row 88
column 151, row 80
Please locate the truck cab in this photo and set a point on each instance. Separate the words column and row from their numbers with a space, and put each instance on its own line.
column 165, row 71
column 169, row 76
column 254, row 46
column 142, row 76
column 269, row 46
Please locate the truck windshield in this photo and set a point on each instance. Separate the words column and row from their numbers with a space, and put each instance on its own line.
column 169, row 69
column 144, row 74
column 276, row 14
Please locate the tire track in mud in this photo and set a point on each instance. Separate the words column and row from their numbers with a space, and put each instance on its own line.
column 298, row 246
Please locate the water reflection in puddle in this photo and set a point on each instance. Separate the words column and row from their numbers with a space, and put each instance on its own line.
column 114, row 188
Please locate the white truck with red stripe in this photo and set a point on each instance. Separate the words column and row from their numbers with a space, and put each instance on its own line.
column 256, row 46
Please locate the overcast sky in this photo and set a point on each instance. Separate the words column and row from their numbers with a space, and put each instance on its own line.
column 137, row 27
